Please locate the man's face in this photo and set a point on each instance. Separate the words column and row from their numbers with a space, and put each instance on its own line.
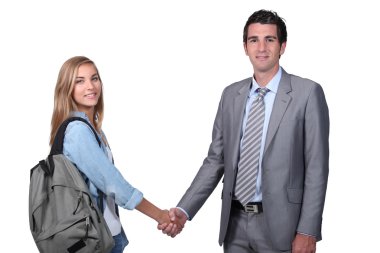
column 263, row 48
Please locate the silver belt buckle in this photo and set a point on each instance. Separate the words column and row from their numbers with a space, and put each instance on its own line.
column 251, row 208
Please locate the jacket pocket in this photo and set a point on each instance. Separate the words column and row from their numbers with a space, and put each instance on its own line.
column 295, row 195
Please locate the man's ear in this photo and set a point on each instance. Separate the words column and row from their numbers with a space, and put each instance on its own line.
column 245, row 48
column 282, row 49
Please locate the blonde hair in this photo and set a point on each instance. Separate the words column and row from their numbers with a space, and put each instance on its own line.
column 64, row 103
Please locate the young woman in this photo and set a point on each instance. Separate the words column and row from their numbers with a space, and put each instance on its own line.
column 78, row 92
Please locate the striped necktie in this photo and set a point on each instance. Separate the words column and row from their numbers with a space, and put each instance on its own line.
column 250, row 151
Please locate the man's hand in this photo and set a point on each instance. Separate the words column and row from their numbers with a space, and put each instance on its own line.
column 178, row 220
column 304, row 244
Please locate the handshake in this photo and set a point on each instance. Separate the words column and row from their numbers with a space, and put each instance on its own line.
column 171, row 222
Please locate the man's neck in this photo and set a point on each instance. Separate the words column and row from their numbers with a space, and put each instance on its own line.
column 263, row 78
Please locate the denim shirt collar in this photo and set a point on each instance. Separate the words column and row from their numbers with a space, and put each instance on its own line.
column 79, row 114
column 84, row 116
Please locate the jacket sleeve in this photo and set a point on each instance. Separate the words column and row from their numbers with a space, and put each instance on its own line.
column 209, row 173
column 316, row 155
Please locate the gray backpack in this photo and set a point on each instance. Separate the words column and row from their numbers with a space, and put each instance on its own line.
column 63, row 216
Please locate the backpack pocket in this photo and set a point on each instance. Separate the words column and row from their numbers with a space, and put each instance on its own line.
column 76, row 234
column 72, row 223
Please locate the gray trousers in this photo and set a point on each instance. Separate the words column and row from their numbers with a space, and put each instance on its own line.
column 248, row 233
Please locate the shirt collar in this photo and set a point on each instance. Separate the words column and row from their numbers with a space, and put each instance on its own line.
column 272, row 85
column 79, row 114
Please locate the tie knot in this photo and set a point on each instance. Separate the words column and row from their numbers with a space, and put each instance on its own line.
column 261, row 93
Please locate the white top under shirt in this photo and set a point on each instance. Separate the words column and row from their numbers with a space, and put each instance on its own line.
column 110, row 216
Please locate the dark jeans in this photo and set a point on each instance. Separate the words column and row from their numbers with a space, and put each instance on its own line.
column 119, row 244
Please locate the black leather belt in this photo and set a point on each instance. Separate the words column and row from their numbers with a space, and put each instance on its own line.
column 251, row 207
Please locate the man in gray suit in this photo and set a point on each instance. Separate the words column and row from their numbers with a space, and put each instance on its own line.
column 285, row 186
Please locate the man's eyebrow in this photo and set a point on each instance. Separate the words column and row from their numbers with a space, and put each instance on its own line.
column 266, row 37
column 252, row 37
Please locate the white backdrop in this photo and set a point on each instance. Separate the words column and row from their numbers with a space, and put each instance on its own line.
column 164, row 65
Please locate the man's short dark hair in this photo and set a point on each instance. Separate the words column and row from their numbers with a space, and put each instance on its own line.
column 267, row 17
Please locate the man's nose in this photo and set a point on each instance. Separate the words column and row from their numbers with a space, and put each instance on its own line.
column 262, row 45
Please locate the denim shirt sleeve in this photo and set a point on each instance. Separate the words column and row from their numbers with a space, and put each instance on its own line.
column 80, row 147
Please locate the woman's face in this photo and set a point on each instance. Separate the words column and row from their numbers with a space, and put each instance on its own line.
column 87, row 88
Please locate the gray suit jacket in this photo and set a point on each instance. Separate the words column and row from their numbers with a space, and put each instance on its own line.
column 295, row 161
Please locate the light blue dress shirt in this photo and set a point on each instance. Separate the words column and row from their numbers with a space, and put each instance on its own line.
column 268, row 101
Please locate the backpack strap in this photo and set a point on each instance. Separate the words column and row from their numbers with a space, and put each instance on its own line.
column 57, row 147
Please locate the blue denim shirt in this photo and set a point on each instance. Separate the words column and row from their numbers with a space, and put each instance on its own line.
column 81, row 147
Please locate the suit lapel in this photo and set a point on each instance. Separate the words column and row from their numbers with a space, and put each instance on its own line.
column 237, row 116
column 280, row 105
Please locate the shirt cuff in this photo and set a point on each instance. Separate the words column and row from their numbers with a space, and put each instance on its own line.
column 306, row 234
column 183, row 210
column 134, row 201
